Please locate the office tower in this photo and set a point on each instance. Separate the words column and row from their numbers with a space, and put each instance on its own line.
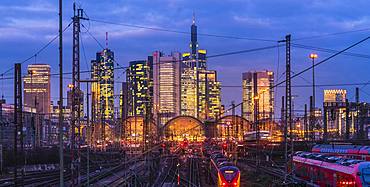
column 37, row 88
column 261, row 81
column 209, row 95
column 140, row 87
column 123, row 101
column 166, row 86
column 103, row 90
column 196, row 80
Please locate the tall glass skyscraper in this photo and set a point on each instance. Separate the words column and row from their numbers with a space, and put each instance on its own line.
column 260, row 81
column 140, row 87
column 103, row 90
column 37, row 88
column 166, row 85
column 195, row 100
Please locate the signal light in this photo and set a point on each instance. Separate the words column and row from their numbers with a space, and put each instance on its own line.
column 224, row 145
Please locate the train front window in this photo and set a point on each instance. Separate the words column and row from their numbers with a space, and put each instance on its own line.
column 366, row 175
column 229, row 173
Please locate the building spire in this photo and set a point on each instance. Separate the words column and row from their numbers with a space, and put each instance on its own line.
column 193, row 18
column 106, row 40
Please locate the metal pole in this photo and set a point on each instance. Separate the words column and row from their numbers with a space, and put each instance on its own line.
column 61, row 159
column 305, row 123
column 347, row 120
column 88, row 133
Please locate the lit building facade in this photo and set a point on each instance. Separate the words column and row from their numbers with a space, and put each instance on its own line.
column 81, row 100
column 103, row 90
column 261, row 81
column 140, row 86
column 195, row 81
column 123, row 101
column 166, row 86
column 334, row 111
column 209, row 95
column 37, row 88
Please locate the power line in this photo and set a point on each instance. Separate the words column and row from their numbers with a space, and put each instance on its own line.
column 314, row 65
column 330, row 51
column 306, row 85
column 181, row 32
column 325, row 60
column 245, row 51
column 332, row 34
column 39, row 51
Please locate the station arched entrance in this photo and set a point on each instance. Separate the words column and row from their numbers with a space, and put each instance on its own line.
column 133, row 130
column 183, row 128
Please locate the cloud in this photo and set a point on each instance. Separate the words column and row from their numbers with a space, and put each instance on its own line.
column 35, row 6
column 261, row 22
column 350, row 23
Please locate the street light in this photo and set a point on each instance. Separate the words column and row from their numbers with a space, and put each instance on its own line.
column 313, row 56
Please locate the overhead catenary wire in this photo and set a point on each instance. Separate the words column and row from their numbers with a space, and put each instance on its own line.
column 38, row 51
column 314, row 65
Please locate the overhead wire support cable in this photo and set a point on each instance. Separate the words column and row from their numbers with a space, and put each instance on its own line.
column 39, row 51
column 180, row 32
column 325, row 60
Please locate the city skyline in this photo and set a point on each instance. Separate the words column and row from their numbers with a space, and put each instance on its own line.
column 255, row 25
column 184, row 93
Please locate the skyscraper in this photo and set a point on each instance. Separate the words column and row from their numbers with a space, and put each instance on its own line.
column 196, row 80
column 260, row 81
column 103, row 90
column 123, row 101
column 209, row 95
column 140, row 86
column 166, row 85
column 37, row 88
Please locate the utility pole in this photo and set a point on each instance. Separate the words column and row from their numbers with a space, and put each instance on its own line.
column 256, row 115
column 288, row 111
column 305, row 123
column 76, row 94
column 88, row 139
column 18, row 123
column 60, row 102
column 347, row 120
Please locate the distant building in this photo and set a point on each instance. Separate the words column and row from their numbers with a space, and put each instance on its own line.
column 123, row 101
column 334, row 111
column 209, row 95
column 37, row 88
column 166, row 85
column 69, row 101
column 261, row 81
column 335, row 95
column 196, row 80
column 140, row 87
column 103, row 90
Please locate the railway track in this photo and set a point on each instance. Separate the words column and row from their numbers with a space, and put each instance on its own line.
column 193, row 174
column 50, row 178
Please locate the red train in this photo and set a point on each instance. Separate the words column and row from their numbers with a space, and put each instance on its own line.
column 348, row 151
column 227, row 174
column 326, row 170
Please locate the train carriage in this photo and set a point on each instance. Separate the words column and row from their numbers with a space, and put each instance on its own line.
column 325, row 171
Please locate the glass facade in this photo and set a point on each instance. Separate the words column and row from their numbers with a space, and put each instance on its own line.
column 140, row 86
column 103, row 90
column 166, row 85
column 265, row 80
column 200, row 90
column 37, row 88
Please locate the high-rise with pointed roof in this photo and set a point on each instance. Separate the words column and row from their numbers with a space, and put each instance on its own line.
column 195, row 82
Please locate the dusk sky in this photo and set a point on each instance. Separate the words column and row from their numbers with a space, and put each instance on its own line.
column 26, row 26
